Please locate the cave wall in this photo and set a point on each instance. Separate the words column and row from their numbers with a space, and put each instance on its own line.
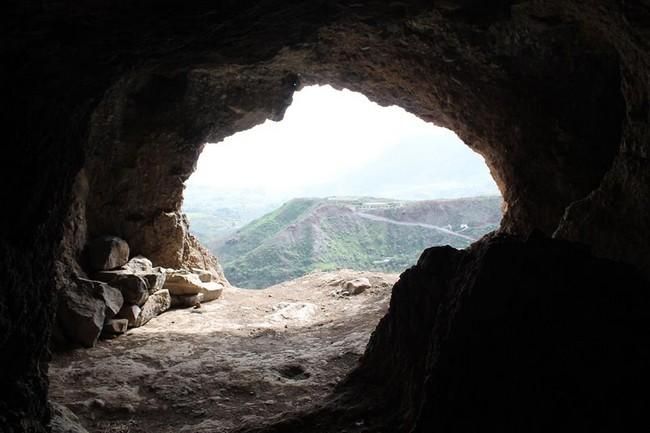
column 489, row 337
column 553, row 94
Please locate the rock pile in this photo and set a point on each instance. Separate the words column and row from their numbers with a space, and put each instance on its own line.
column 123, row 293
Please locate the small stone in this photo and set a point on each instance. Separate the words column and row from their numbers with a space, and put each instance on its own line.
column 108, row 252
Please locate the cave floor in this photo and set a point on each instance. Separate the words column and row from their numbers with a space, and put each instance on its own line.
column 249, row 358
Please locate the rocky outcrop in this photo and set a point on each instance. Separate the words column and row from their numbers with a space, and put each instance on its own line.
column 123, row 297
column 526, row 335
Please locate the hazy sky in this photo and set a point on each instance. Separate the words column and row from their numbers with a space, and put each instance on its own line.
column 339, row 143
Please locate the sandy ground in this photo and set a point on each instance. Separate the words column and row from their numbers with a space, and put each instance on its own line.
column 249, row 356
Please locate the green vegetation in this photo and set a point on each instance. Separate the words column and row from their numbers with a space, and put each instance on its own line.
column 304, row 235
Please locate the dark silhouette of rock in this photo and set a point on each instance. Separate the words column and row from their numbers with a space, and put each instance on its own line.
column 84, row 305
column 134, row 288
column 515, row 335
column 107, row 252
column 82, row 315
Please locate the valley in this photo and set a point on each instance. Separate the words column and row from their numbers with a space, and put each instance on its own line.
column 362, row 233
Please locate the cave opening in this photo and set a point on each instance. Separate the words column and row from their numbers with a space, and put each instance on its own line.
column 339, row 183
column 374, row 177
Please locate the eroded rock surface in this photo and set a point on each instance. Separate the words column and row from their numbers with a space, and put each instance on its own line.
column 246, row 358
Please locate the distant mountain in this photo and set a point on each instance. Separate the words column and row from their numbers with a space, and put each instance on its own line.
column 385, row 235
column 214, row 214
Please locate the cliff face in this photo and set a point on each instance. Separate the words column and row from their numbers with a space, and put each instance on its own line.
column 553, row 94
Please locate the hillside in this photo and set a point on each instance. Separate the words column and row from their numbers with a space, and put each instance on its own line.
column 304, row 235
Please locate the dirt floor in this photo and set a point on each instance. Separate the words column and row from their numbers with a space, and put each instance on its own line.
column 247, row 357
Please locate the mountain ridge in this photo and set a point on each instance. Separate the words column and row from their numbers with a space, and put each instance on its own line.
column 362, row 233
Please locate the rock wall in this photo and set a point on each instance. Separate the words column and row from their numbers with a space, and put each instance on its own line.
column 553, row 94
column 490, row 336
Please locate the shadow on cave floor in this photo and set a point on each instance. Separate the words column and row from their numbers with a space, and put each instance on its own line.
column 247, row 359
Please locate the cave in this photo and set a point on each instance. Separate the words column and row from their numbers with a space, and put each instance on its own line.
column 339, row 183
column 541, row 325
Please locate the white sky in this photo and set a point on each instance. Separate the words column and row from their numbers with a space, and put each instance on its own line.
column 329, row 135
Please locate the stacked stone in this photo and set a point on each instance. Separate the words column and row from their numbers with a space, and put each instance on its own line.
column 125, row 293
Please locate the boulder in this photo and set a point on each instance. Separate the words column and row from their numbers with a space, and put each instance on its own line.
column 155, row 280
column 107, row 252
column 186, row 301
column 134, row 288
column 183, row 283
column 112, row 297
column 211, row 291
column 115, row 327
column 139, row 265
column 157, row 303
column 80, row 314
column 356, row 286
column 130, row 313
column 63, row 420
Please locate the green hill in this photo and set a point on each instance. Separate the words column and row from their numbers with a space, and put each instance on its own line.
column 304, row 235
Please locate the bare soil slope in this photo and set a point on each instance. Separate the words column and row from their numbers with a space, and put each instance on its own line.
column 249, row 356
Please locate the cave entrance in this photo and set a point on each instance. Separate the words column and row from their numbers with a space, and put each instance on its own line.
column 328, row 205
column 339, row 183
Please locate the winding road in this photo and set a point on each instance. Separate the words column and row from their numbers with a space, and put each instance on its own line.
column 404, row 223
